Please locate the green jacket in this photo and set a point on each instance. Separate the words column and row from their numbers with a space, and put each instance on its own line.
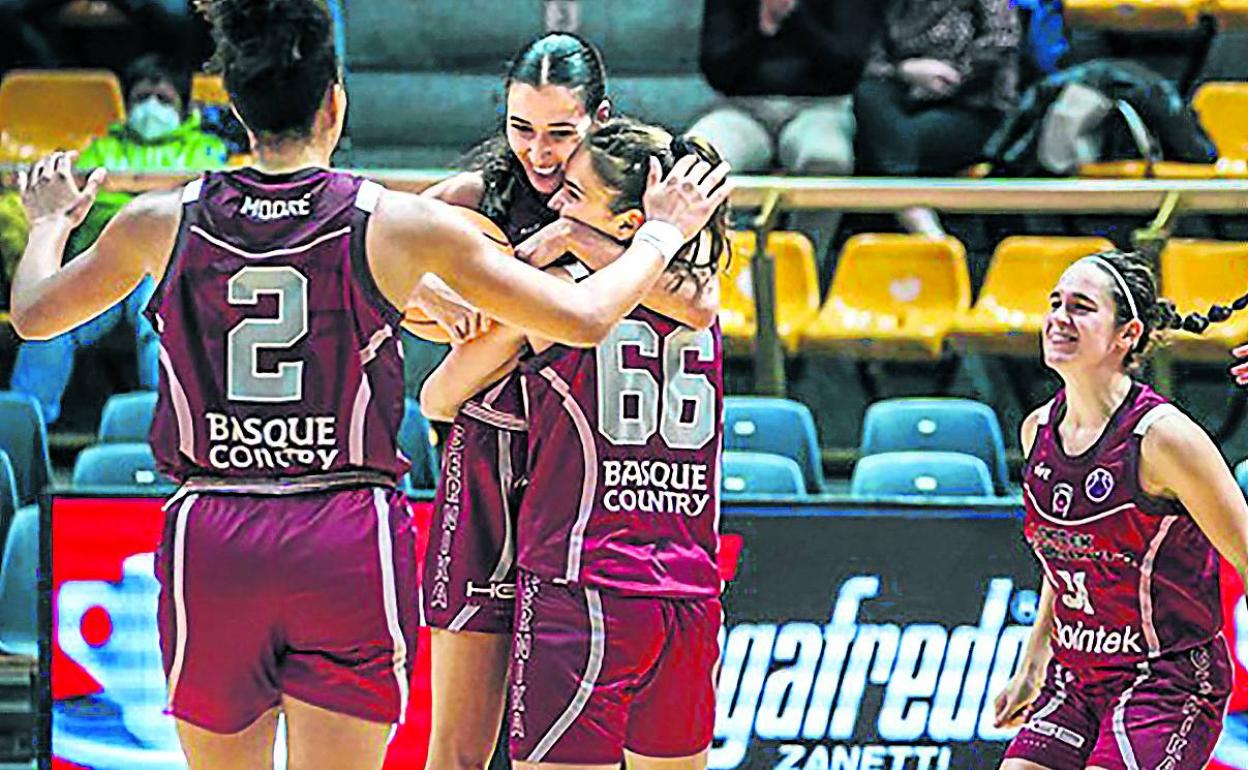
column 186, row 149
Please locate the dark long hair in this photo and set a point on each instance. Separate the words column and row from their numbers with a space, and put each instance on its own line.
column 559, row 59
column 277, row 59
column 1158, row 314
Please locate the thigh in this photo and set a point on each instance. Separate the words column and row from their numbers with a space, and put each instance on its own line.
column 578, row 655
column 319, row 739
column 820, row 139
column 1062, row 728
column 1171, row 714
column 468, row 579
column 672, row 716
column 951, row 138
column 882, row 139
column 218, row 613
column 469, row 681
column 350, row 611
column 251, row 747
column 739, row 138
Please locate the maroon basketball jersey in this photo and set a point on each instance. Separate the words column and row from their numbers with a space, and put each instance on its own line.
column 280, row 356
column 1135, row 577
column 624, row 445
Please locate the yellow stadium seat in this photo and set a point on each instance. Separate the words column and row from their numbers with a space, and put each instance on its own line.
column 1232, row 14
column 1115, row 169
column 1133, row 14
column 208, row 89
column 1196, row 274
column 1223, row 111
column 42, row 111
column 1008, row 316
column 893, row 297
column 797, row 289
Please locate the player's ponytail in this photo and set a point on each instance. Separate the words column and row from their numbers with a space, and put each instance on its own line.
column 277, row 59
column 621, row 150
column 1159, row 316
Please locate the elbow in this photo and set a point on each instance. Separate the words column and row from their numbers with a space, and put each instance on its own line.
column 432, row 406
column 26, row 324
column 702, row 318
column 591, row 329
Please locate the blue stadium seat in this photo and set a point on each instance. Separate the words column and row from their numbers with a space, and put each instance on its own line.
column 414, row 443
column 936, row 424
column 24, row 436
column 1241, row 475
column 921, row 474
column 8, row 494
column 776, row 426
column 118, row 465
column 758, row 473
column 127, row 417
column 18, row 585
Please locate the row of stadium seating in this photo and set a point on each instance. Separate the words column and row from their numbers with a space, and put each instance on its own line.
column 908, row 297
column 64, row 109
column 1154, row 15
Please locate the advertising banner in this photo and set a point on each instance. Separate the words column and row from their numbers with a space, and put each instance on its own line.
column 856, row 638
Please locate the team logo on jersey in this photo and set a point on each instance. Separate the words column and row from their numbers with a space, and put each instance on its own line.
column 1098, row 484
column 1043, row 472
column 1062, row 495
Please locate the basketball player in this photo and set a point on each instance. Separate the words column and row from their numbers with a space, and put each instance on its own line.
column 287, row 564
column 1128, row 504
column 555, row 94
column 618, row 608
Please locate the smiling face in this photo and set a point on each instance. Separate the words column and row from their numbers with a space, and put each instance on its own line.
column 545, row 125
column 584, row 197
column 1081, row 331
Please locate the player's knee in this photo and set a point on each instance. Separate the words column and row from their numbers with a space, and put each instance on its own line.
column 463, row 757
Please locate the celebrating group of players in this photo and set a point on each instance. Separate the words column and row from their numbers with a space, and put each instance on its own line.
column 570, row 574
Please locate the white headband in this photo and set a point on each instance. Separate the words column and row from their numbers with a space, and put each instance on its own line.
column 1122, row 283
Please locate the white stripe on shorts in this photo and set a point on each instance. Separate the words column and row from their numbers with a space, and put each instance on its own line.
column 463, row 616
column 389, row 595
column 180, row 629
column 597, row 649
column 506, row 479
column 1120, row 724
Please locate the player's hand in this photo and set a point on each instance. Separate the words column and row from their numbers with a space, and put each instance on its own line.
column 1013, row 704
column 1240, row 370
column 567, row 236
column 460, row 320
column 49, row 191
column 688, row 196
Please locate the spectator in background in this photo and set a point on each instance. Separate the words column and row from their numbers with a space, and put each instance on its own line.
column 938, row 82
column 157, row 135
column 29, row 36
column 786, row 69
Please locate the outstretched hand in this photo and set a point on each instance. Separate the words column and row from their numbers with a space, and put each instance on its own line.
column 49, row 191
column 688, row 196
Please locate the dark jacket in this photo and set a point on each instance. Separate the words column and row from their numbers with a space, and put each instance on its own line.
column 819, row 50
column 1174, row 128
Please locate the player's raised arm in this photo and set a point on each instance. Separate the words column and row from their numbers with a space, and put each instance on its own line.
column 47, row 298
column 431, row 240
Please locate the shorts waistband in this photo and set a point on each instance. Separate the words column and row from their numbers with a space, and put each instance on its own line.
column 294, row 485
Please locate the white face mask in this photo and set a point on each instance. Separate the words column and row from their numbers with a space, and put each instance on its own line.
column 153, row 119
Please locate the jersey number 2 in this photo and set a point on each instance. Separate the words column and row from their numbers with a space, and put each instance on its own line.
column 243, row 377
column 633, row 424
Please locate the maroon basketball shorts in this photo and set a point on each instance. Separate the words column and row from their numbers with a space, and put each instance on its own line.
column 1164, row 713
column 310, row 596
column 468, row 580
column 594, row 673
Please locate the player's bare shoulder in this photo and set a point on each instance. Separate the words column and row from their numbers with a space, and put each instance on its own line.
column 1031, row 425
column 149, row 225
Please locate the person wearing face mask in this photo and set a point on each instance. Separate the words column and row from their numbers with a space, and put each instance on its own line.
column 157, row 135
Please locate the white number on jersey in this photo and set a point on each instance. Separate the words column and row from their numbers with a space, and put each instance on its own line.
column 243, row 378
column 656, row 407
column 1076, row 596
